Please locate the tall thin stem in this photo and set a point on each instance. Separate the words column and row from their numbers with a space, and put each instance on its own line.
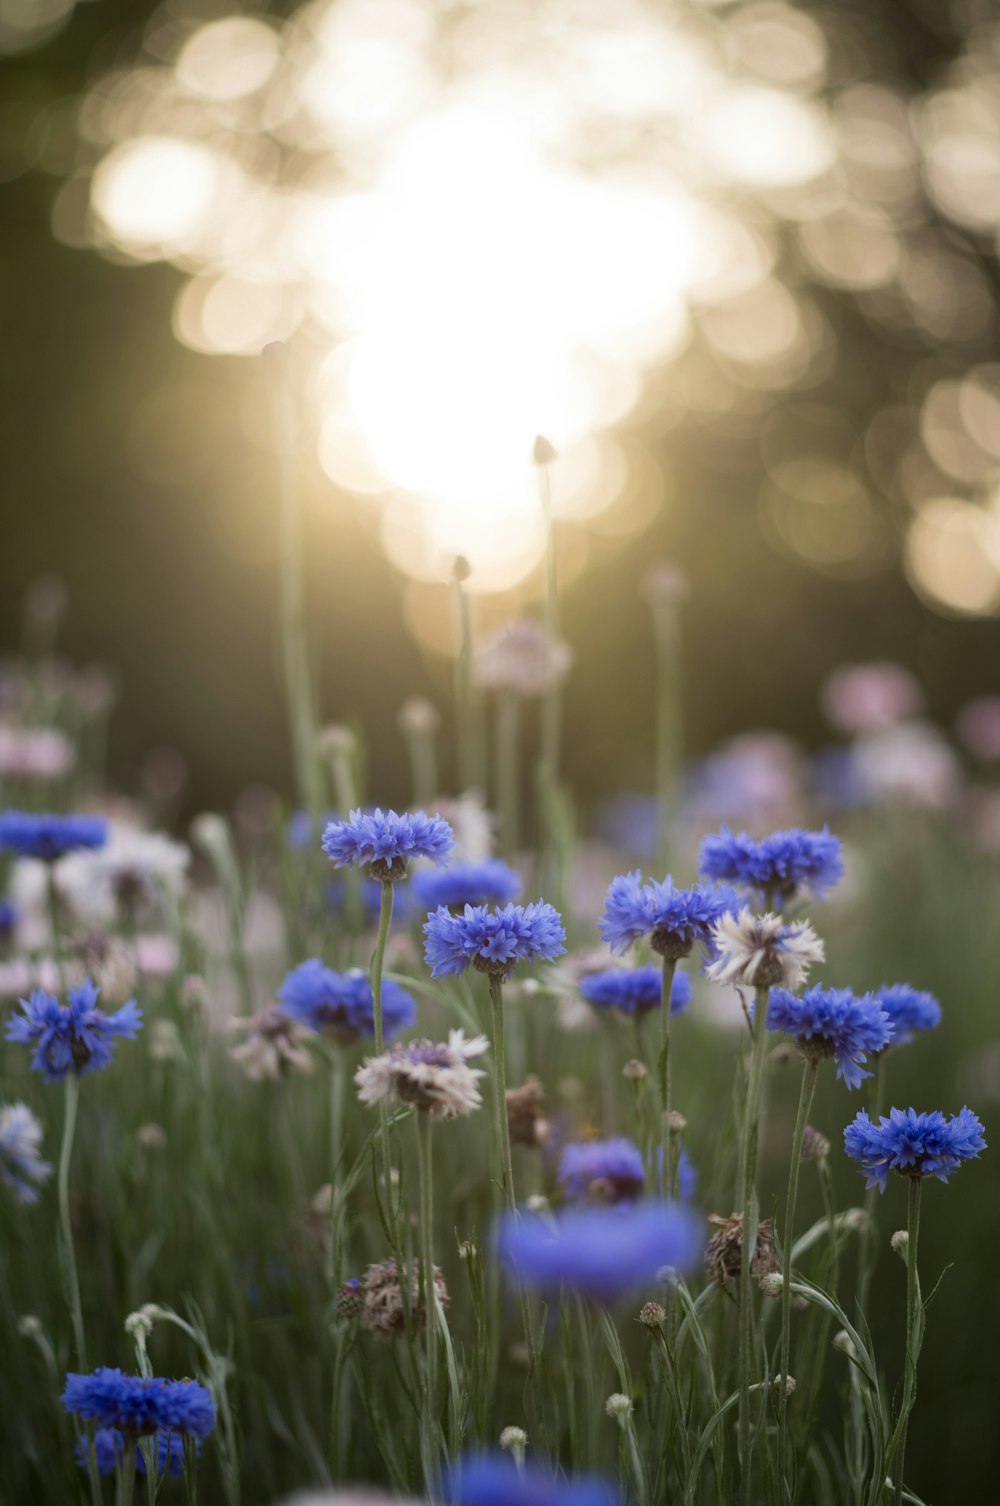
column 52, row 899
column 867, row 1249
column 67, row 1253
column 468, row 703
column 428, row 1296
column 665, row 1075
column 914, row 1335
column 806, row 1093
column 375, row 977
column 295, row 655
column 500, row 1078
column 750, row 1210
column 669, row 718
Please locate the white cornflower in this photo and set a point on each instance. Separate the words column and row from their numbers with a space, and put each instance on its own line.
column 131, row 870
column 472, row 825
column 21, row 1167
column 35, row 753
column 523, row 658
column 762, row 951
column 273, row 1047
column 432, row 1075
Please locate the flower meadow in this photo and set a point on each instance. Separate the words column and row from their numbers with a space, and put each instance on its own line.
column 479, row 1151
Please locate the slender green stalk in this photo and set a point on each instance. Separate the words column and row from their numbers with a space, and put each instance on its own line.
column 126, row 1469
column 676, row 1399
column 750, row 1210
column 468, row 703
column 295, row 655
column 500, row 1078
column 375, row 977
column 507, row 729
column 665, row 1075
column 867, row 1249
column 806, row 1093
column 52, row 899
column 914, row 1336
column 67, row 1254
column 669, row 717
column 428, row 1296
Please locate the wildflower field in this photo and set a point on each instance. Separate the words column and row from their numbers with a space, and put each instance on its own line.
column 257, row 1088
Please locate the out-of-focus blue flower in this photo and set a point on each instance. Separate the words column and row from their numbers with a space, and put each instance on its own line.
column 341, row 1004
column 403, row 906
column 686, row 1172
column 832, row 1022
column 496, row 1480
column 492, row 941
column 602, row 1171
column 302, row 830
column 600, row 1252
column 109, row 1447
column 634, row 990
column 49, row 838
column 909, row 1010
column 785, row 863
column 673, row 919
column 21, row 1167
column 74, row 1037
column 916, row 1145
column 384, row 842
column 488, row 883
column 139, row 1405
column 630, row 823
column 835, row 779
column 8, row 919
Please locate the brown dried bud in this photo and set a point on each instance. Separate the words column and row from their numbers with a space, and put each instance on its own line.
column 724, row 1253
column 815, row 1147
column 525, row 1114
column 651, row 1314
column 676, row 1123
column 383, row 1301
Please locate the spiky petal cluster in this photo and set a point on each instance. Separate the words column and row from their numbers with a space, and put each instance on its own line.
column 783, row 864
column 273, row 1047
column 634, row 990
column 600, row 1252
column 109, row 1448
column 602, row 1171
column 72, row 1037
column 49, row 838
column 832, row 1022
column 499, row 1480
column 489, row 882
column 909, row 1009
column 138, row 1405
column 21, row 1167
column 434, row 1076
column 341, row 1004
column 385, row 842
column 492, row 941
column 916, row 1145
column 761, row 951
column 673, row 919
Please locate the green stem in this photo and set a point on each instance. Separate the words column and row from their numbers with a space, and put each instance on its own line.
column 867, row 1250
column 428, row 1296
column 806, row 1093
column 375, row 976
column 71, row 1281
column 500, row 1078
column 665, row 1075
column 750, row 1210
column 914, row 1335
column 52, row 899
column 127, row 1469
column 667, row 626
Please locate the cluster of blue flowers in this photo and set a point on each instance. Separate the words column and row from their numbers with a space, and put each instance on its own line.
column 601, row 1252
column 341, row 1004
column 916, row 1145
column 496, row 1480
column 49, row 838
column 73, row 1037
column 909, row 1010
column 634, row 990
column 832, row 1022
column 137, row 1405
column 109, row 1449
column 490, row 882
column 385, row 842
column 492, row 941
column 783, row 864
column 675, row 920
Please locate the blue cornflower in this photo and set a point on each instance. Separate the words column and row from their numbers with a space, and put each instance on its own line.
column 634, row 990
column 916, row 1145
column 49, row 837
column 673, row 919
column 8, row 919
column 832, row 1022
column 341, row 1004
column 909, row 1009
column 489, row 882
column 301, row 830
column 602, row 1171
column 492, row 941
column 782, row 864
column 497, row 1480
column 384, row 842
column 137, row 1405
column 74, row 1037
column 109, row 1447
column 687, row 1175
column 21, row 1167
column 600, row 1252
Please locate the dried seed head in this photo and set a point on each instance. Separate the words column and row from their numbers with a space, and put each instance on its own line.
column 772, row 1284
column 382, row 1312
column 724, row 1253
column 526, row 1114
column 900, row 1244
column 815, row 1147
column 676, row 1123
column 633, row 1071
column 651, row 1314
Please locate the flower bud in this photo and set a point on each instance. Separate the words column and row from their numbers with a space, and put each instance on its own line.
column 543, row 451
column 633, row 1071
column 139, row 1325
column 900, row 1244
column 772, row 1284
column 651, row 1314
column 676, row 1123
column 513, row 1438
column 618, row 1406
column 29, row 1327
